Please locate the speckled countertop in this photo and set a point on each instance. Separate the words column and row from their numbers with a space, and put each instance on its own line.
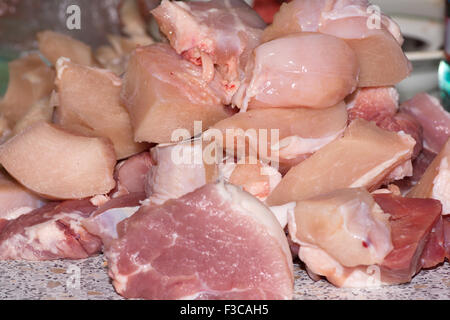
column 87, row 279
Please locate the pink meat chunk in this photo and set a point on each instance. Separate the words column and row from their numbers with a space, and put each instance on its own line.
column 381, row 106
column 415, row 242
column 217, row 32
column 131, row 175
column 435, row 121
column 49, row 233
column 215, row 243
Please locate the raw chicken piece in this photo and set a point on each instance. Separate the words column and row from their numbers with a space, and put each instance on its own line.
column 49, row 233
column 41, row 110
column 376, row 39
column 381, row 106
column 89, row 103
column 217, row 32
column 30, row 80
column 364, row 157
column 267, row 8
column 178, row 170
column 15, row 200
column 412, row 222
column 345, row 223
column 435, row 183
column 131, row 175
column 133, row 24
column 230, row 246
column 255, row 177
column 59, row 165
column 304, row 73
column 428, row 111
column 54, row 45
column 164, row 93
column 289, row 133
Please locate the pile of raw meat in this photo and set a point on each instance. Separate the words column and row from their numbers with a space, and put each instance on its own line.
column 104, row 152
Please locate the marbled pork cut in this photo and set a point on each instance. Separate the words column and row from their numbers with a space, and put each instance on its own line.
column 297, row 70
column 51, row 232
column 163, row 93
column 213, row 33
column 364, row 157
column 215, row 243
column 429, row 112
column 447, row 236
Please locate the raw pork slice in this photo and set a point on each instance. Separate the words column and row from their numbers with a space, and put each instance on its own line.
column 364, row 157
column 57, row 164
column 428, row 111
column 216, row 32
column 30, row 80
column 302, row 74
column 412, row 223
column 163, row 93
column 435, row 183
column 16, row 200
column 51, row 232
column 285, row 134
column 89, row 103
column 215, row 243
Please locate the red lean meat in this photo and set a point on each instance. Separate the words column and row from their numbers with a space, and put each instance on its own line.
column 230, row 246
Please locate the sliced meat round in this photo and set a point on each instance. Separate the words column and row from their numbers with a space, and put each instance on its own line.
column 215, row 243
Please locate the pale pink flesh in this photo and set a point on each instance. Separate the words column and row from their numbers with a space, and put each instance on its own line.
column 295, row 132
column 217, row 32
column 54, row 45
column 131, row 175
column 89, row 103
column 377, row 46
column 364, row 157
column 428, row 111
column 347, row 224
column 15, row 199
column 28, row 75
column 57, row 164
column 163, row 92
column 194, row 248
column 302, row 74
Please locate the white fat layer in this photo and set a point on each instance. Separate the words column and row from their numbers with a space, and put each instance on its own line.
column 16, row 213
column 282, row 212
column 61, row 66
column 291, row 147
column 441, row 186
